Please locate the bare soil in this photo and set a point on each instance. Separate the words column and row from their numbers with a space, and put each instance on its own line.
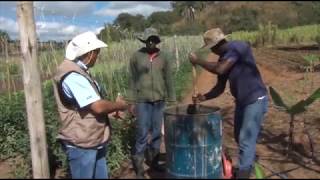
column 5, row 170
column 281, row 69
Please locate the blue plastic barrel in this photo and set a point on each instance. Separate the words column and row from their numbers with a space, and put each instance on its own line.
column 193, row 142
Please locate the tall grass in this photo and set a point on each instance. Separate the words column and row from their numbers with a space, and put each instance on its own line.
column 117, row 55
column 301, row 34
column 111, row 71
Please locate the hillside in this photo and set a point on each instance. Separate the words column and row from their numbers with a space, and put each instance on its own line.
column 194, row 17
column 235, row 16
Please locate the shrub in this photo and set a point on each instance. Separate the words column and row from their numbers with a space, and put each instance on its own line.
column 14, row 137
column 111, row 73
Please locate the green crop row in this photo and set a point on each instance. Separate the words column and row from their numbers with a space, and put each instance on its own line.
column 111, row 71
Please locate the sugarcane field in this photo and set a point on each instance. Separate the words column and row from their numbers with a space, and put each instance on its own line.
column 160, row 89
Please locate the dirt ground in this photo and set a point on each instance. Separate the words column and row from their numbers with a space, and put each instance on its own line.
column 281, row 70
column 5, row 170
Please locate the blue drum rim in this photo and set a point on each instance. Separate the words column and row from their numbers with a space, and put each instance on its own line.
column 215, row 109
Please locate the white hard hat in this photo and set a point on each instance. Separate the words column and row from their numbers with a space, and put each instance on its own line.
column 83, row 43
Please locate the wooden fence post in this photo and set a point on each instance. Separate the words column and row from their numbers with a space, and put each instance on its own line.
column 6, row 49
column 32, row 89
column 177, row 52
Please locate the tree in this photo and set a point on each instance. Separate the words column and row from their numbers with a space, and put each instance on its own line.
column 187, row 9
column 163, row 17
column 4, row 40
column 4, row 35
column 243, row 18
column 32, row 89
column 163, row 21
column 135, row 23
column 110, row 33
column 308, row 13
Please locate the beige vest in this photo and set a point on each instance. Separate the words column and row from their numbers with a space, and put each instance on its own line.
column 79, row 127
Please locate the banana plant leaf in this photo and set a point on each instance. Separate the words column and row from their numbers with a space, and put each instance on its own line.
column 298, row 108
column 301, row 105
column 278, row 102
column 258, row 171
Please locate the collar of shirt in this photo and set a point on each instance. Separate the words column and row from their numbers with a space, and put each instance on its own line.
column 82, row 65
column 226, row 50
column 153, row 56
column 85, row 68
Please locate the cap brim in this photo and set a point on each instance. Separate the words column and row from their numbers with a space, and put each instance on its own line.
column 97, row 44
column 211, row 45
column 208, row 46
column 143, row 41
column 71, row 52
column 100, row 44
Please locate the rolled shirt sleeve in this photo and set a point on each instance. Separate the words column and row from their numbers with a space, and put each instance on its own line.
column 76, row 86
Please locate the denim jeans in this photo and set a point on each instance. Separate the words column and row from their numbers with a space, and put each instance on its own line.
column 87, row 163
column 247, row 125
column 149, row 118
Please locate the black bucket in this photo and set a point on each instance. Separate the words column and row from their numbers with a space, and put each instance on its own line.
column 193, row 142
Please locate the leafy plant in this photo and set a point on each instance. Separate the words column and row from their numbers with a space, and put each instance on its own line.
column 311, row 60
column 111, row 73
column 294, row 110
column 258, row 171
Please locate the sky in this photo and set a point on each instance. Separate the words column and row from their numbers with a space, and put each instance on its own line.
column 61, row 20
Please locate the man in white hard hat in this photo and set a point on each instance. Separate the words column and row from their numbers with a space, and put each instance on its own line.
column 237, row 65
column 84, row 130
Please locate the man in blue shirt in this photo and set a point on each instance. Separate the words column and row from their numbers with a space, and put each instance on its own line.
column 237, row 64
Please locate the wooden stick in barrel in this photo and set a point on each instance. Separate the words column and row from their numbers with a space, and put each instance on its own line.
column 195, row 89
column 192, row 108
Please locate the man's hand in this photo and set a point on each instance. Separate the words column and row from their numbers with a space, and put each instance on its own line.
column 117, row 115
column 122, row 107
column 132, row 110
column 193, row 58
column 198, row 98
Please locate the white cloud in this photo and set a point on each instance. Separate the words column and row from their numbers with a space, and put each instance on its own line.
column 47, row 30
column 64, row 8
column 9, row 26
column 60, row 31
column 69, row 29
column 54, row 8
column 134, row 7
column 51, row 27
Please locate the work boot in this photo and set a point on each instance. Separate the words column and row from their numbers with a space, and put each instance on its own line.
column 242, row 174
column 137, row 162
column 153, row 158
